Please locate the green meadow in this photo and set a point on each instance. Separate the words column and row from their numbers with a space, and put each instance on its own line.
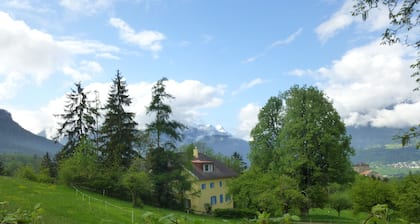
column 64, row 205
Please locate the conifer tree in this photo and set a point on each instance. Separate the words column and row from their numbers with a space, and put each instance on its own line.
column 166, row 165
column 78, row 121
column 118, row 130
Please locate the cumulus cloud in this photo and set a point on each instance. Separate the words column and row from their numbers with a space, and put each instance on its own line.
column 276, row 43
column 32, row 56
column 378, row 19
column 372, row 85
column 86, row 70
column 248, row 85
column 147, row 39
column 26, row 54
column 86, row 6
column 248, row 118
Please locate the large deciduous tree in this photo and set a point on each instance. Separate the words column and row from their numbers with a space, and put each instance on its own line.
column 78, row 121
column 313, row 146
column 264, row 134
column 404, row 18
column 118, row 133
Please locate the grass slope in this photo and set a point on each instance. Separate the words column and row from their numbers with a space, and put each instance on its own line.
column 62, row 204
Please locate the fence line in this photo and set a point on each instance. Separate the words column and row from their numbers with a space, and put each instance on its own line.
column 106, row 203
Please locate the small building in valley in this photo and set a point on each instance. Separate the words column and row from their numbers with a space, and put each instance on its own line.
column 209, row 179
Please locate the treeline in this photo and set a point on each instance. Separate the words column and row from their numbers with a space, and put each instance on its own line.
column 300, row 160
column 106, row 152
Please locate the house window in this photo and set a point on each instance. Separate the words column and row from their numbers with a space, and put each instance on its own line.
column 211, row 185
column 221, row 198
column 213, row 200
column 220, row 183
column 208, row 168
column 203, row 186
column 228, row 198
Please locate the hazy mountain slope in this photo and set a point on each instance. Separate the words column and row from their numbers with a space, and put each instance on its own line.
column 15, row 139
column 378, row 145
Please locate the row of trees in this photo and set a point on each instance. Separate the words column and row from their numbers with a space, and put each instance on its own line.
column 115, row 155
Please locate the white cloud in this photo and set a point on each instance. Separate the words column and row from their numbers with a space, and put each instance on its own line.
column 248, row 85
column 31, row 56
column 378, row 19
column 147, row 39
column 276, row 43
column 372, row 85
column 28, row 53
column 86, row 6
column 248, row 118
column 85, row 71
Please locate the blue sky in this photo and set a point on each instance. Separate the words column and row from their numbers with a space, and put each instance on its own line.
column 223, row 59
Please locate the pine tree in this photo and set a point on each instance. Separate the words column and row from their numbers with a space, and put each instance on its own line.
column 166, row 166
column 79, row 121
column 49, row 165
column 118, row 133
column 162, row 125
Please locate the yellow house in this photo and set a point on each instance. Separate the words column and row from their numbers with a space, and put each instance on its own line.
column 209, row 179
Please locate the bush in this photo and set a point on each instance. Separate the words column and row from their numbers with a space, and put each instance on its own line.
column 231, row 213
column 27, row 172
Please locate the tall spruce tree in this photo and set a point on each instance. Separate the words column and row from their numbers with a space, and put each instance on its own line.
column 162, row 125
column 166, row 165
column 78, row 121
column 118, row 131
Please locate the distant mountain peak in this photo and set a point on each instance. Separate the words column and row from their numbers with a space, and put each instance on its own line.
column 5, row 115
column 15, row 139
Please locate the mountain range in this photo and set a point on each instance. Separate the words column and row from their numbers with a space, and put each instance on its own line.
column 371, row 144
column 15, row 139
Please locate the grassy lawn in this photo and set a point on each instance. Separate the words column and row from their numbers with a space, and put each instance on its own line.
column 328, row 215
column 61, row 204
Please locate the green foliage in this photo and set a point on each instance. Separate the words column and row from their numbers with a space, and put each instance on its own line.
column 162, row 125
column 340, row 201
column 48, row 166
column 20, row 216
column 408, row 197
column 2, row 168
column 78, row 121
column 234, row 213
column 27, row 172
column 269, row 192
column 12, row 162
column 367, row 192
column 81, row 168
column 137, row 182
column 312, row 146
column 264, row 134
column 166, row 166
column 118, row 133
column 380, row 213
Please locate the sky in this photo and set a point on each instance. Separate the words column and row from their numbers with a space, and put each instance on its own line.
column 223, row 59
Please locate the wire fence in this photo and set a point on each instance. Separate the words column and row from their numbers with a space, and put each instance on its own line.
column 90, row 200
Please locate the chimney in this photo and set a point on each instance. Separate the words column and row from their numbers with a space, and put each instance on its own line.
column 195, row 153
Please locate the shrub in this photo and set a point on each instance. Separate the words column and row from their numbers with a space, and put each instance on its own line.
column 231, row 213
column 27, row 172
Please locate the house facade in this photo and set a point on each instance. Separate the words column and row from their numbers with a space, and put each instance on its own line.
column 209, row 189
